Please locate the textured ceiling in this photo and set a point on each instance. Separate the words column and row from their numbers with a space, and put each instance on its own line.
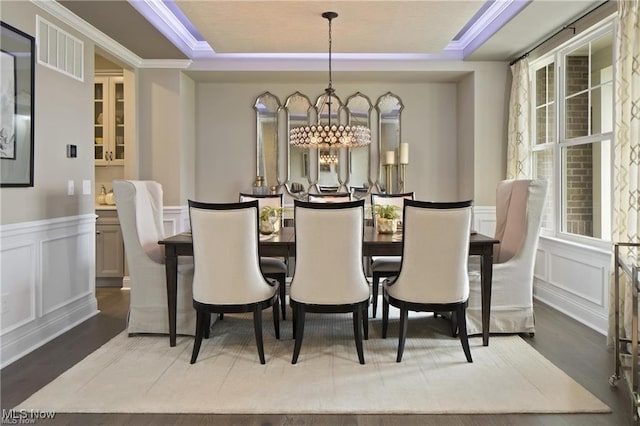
column 363, row 26
column 298, row 27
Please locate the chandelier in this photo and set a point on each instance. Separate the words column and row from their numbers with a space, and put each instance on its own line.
column 329, row 135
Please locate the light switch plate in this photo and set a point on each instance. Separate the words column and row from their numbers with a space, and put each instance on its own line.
column 86, row 187
column 70, row 187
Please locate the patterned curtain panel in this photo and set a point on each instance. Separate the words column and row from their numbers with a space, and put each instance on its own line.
column 626, row 217
column 519, row 137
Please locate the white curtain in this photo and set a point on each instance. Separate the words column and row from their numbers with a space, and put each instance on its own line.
column 518, row 138
column 626, row 218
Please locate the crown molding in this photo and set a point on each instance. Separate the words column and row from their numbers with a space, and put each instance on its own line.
column 166, row 63
column 494, row 18
column 98, row 37
column 165, row 21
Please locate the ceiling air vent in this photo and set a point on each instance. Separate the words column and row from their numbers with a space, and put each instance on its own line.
column 59, row 50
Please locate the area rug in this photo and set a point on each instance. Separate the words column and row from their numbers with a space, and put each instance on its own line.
column 142, row 374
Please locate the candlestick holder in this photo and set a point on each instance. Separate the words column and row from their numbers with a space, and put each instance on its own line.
column 402, row 176
column 388, row 178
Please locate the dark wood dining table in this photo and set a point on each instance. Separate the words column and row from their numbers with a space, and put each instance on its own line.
column 283, row 244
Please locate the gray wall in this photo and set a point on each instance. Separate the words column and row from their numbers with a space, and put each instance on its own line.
column 456, row 131
column 63, row 115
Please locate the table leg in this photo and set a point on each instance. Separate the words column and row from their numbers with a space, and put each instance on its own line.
column 171, row 265
column 485, row 284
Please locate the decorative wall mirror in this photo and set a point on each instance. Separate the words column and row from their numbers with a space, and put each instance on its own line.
column 267, row 107
column 300, row 112
column 359, row 114
column 389, row 108
column 327, row 167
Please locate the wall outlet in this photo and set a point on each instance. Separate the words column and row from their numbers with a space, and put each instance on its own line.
column 70, row 187
column 86, row 187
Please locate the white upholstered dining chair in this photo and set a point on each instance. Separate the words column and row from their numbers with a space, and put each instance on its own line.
column 227, row 275
column 385, row 266
column 433, row 272
column 139, row 205
column 519, row 206
column 272, row 267
column 329, row 275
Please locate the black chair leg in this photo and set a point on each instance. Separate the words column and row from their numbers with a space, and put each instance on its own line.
column 283, row 295
column 454, row 324
column 200, row 320
column 403, row 332
column 365, row 320
column 299, row 333
column 462, row 325
column 357, row 332
column 385, row 317
column 276, row 318
column 257, row 327
column 207, row 323
column 375, row 283
column 220, row 316
column 293, row 320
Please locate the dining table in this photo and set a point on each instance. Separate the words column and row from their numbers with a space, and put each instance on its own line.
column 282, row 244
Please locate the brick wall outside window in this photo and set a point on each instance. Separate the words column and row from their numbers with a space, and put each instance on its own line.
column 578, row 159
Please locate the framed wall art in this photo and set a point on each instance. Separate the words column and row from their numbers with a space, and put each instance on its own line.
column 17, row 62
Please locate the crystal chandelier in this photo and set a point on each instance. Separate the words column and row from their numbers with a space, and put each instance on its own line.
column 329, row 135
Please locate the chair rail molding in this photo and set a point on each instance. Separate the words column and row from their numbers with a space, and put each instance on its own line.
column 47, row 283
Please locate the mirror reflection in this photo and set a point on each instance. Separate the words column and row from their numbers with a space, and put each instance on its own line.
column 267, row 107
column 299, row 113
column 359, row 114
column 389, row 108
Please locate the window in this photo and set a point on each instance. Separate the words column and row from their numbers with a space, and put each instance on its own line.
column 572, row 134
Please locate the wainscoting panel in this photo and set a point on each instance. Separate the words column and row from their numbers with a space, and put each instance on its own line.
column 575, row 280
column 63, row 285
column 47, row 282
column 484, row 220
column 175, row 219
column 18, row 286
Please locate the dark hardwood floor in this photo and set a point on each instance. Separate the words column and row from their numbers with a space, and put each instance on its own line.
column 574, row 348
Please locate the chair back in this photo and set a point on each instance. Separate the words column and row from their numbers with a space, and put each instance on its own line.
column 435, row 252
column 389, row 200
column 519, row 205
column 139, row 205
column 225, row 254
column 329, row 267
column 267, row 200
column 330, row 197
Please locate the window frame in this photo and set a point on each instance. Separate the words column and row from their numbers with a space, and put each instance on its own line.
column 558, row 57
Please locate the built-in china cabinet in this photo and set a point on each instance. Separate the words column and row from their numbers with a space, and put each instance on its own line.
column 109, row 121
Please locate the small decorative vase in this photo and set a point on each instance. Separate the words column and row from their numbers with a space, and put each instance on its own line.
column 110, row 198
column 386, row 226
column 101, row 198
column 266, row 227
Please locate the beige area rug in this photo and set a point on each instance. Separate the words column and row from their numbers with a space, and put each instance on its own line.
column 144, row 375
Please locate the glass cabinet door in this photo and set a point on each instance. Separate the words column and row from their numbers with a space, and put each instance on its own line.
column 109, row 121
column 98, row 121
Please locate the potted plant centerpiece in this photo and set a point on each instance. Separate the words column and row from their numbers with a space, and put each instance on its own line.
column 386, row 218
column 270, row 219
